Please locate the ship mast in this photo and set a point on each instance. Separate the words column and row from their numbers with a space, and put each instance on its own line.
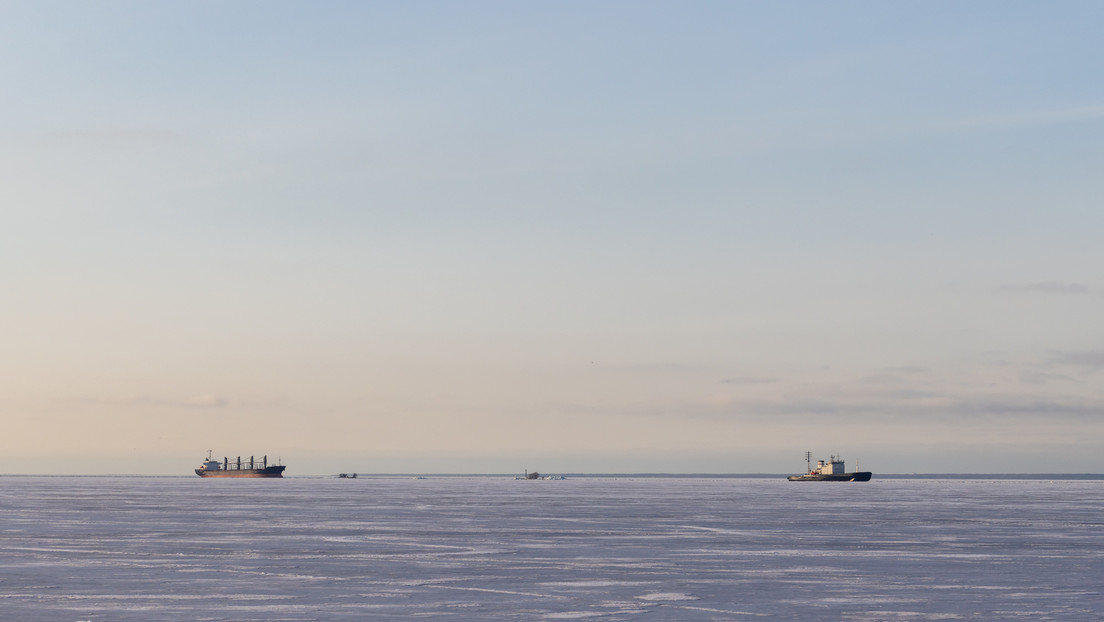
column 808, row 462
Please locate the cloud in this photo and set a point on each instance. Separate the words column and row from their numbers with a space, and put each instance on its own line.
column 786, row 402
column 1049, row 287
column 897, row 375
column 1028, row 405
column 906, row 369
column 927, row 406
column 196, row 401
column 883, row 379
column 206, row 401
column 1093, row 359
column 892, row 398
column 1027, row 119
column 748, row 380
column 1029, row 376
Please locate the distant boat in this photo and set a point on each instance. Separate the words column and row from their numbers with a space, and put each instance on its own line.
column 831, row 470
column 535, row 475
column 346, row 475
column 239, row 468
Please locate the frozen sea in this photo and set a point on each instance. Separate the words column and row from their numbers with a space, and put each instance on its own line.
column 485, row 548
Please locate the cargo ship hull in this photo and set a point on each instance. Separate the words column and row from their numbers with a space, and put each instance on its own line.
column 860, row 476
column 272, row 471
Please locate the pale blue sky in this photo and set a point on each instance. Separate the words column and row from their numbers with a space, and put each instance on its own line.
column 488, row 236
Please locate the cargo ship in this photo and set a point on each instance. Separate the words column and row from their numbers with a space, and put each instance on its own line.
column 831, row 470
column 239, row 468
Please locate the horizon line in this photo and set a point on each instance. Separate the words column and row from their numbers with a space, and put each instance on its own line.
column 657, row 475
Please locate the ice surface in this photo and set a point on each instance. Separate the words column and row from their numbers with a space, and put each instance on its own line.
column 131, row 548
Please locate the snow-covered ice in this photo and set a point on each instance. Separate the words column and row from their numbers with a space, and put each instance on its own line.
column 134, row 548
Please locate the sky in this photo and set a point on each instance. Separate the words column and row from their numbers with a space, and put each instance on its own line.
column 484, row 237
